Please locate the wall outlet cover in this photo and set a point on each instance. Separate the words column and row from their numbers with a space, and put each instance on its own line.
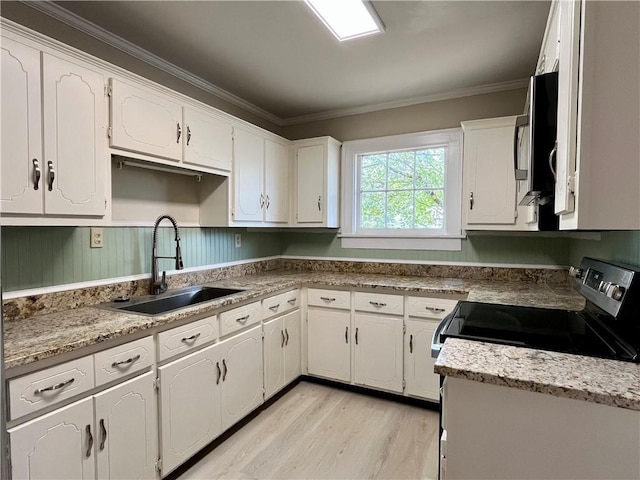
column 238, row 240
column 97, row 237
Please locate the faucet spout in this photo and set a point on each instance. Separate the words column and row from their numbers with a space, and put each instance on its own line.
column 159, row 284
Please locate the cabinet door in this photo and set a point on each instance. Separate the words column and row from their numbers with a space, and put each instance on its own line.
column 292, row 348
column 248, row 162
column 329, row 353
column 274, row 340
column 189, row 405
column 310, row 184
column 276, row 182
column 74, row 138
column 488, row 174
column 20, row 188
column 208, row 140
column 146, row 122
column 241, row 390
column 126, row 437
column 418, row 365
column 58, row 445
column 378, row 351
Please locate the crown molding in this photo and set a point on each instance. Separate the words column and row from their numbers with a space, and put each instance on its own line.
column 451, row 94
column 85, row 26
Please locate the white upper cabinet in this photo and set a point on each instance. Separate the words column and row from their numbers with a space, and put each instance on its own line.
column 276, row 182
column 248, row 176
column 145, row 121
column 53, row 137
column 317, row 167
column 208, row 140
column 598, row 161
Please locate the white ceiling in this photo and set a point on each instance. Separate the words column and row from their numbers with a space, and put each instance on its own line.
column 277, row 56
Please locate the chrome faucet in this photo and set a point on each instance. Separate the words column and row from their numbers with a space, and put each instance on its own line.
column 159, row 285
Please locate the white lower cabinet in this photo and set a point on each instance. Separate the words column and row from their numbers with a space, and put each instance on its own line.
column 119, row 429
column 241, row 361
column 378, row 351
column 281, row 352
column 418, row 364
column 328, row 348
column 189, row 405
column 56, row 445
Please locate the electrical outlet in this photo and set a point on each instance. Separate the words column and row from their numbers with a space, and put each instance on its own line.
column 238, row 240
column 97, row 237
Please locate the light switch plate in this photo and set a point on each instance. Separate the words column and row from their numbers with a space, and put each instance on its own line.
column 97, row 237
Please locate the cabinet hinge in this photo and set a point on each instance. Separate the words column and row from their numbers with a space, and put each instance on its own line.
column 404, row 384
column 263, row 334
column 571, row 184
column 156, row 383
column 109, row 132
column 515, row 215
column 404, row 329
column 233, row 212
column 105, row 203
column 264, row 393
column 159, row 465
column 108, row 90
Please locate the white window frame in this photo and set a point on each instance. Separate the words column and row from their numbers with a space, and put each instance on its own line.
column 448, row 238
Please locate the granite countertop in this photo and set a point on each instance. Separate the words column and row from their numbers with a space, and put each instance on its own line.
column 603, row 381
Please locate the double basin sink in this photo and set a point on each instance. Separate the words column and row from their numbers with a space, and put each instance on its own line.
column 168, row 302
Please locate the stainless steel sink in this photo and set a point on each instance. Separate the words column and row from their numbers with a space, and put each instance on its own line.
column 170, row 302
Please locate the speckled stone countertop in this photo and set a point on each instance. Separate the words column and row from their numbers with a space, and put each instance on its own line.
column 608, row 382
column 44, row 336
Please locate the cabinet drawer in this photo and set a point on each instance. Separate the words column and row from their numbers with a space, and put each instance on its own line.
column 40, row 389
column 379, row 303
column 123, row 360
column 187, row 337
column 435, row 308
column 281, row 303
column 329, row 298
column 239, row 318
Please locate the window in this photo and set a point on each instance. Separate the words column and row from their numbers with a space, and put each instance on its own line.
column 403, row 192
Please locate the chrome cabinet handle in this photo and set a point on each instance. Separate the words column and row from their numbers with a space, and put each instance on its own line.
column 179, row 132
column 103, row 432
column 36, row 174
column 346, row 335
column 52, row 174
column 356, row 336
column 224, row 373
column 268, row 202
column 191, row 338
column 188, row 135
column 242, row 319
column 378, row 304
column 328, row 299
column 292, row 301
column 274, row 308
column 261, row 200
column 89, row 441
column 125, row 362
column 551, row 155
column 319, row 202
column 410, row 343
column 286, row 332
column 282, row 334
column 219, row 373
column 435, row 309
column 471, row 202
column 57, row 386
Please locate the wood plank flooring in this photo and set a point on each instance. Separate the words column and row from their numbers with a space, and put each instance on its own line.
column 320, row 432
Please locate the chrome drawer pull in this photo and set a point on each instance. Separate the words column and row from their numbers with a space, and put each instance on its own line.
column 292, row 301
column 346, row 335
column 219, row 373
column 103, row 430
column 242, row 319
column 191, row 338
column 126, row 362
column 410, row 343
column 90, row 440
column 328, row 299
column 378, row 304
column 282, row 344
column 57, row 386
column 36, row 174
column 274, row 308
column 356, row 336
column 224, row 374
column 286, row 342
column 52, row 175
column 435, row 309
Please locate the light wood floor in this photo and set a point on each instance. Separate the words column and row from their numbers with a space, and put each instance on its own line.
column 319, row 432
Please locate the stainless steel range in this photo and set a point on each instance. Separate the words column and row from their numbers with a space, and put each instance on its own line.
column 608, row 327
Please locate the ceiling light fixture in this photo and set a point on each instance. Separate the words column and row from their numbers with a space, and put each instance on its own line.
column 347, row 19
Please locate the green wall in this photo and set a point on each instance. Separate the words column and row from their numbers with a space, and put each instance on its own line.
column 621, row 247
column 43, row 256
column 507, row 249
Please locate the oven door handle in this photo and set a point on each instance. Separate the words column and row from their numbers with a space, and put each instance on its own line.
column 436, row 346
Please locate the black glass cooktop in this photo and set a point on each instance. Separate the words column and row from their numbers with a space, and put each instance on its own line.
column 541, row 328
